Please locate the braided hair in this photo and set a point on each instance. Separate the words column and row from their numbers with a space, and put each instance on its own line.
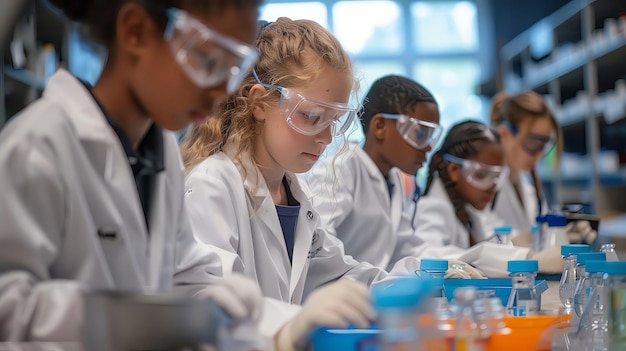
column 464, row 140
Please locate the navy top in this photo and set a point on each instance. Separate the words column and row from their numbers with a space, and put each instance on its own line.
column 390, row 185
column 288, row 217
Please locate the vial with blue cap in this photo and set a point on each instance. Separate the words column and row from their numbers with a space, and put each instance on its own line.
column 435, row 269
column 604, row 309
column 535, row 238
column 589, row 272
column 503, row 234
column 523, row 300
column 399, row 303
column 571, row 273
column 617, row 305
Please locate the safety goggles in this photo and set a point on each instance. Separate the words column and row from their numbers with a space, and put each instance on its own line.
column 207, row 57
column 310, row 116
column 419, row 134
column 533, row 144
column 480, row 175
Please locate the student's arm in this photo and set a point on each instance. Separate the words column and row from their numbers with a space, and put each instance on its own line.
column 330, row 263
column 32, row 213
column 214, row 219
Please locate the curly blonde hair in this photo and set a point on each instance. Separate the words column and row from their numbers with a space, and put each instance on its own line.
column 292, row 53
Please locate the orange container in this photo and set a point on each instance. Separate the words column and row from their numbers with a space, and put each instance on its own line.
column 525, row 333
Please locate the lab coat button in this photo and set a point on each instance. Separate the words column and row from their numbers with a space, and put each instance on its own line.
column 309, row 215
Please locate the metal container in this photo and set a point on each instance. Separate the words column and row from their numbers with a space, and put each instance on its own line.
column 122, row 321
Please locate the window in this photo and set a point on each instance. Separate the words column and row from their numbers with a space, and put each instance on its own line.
column 436, row 43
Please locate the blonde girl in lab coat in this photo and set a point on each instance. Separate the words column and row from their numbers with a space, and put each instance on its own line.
column 92, row 182
column 243, row 194
column 463, row 176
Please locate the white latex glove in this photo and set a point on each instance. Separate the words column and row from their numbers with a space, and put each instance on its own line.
column 580, row 232
column 334, row 305
column 238, row 295
column 550, row 260
column 467, row 272
column 522, row 239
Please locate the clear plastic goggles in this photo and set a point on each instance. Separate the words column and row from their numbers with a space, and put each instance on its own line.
column 419, row 134
column 533, row 144
column 310, row 116
column 207, row 57
column 480, row 175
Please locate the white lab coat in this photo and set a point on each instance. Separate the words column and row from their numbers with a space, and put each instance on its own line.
column 509, row 210
column 225, row 214
column 352, row 197
column 64, row 178
column 446, row 237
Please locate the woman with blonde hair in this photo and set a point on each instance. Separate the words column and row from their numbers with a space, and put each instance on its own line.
column 527, row 130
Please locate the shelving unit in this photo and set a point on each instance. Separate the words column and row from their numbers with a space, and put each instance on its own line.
column 40, row 29
column 576, row 58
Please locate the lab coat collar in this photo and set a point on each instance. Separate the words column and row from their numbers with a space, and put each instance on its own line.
column 82, row 110
column 265, row 209
column 100, row 142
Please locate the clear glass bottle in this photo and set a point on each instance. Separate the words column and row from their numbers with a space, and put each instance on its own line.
column 571, row 274
column 399, row 304
column 490, row 311
column 470, row 334
column 503, row 234
column 609, row 250
column 523, row 300
column 593, row 330
column 617, row 306
column 554, row 234
column 435, row 269
column 589, row 263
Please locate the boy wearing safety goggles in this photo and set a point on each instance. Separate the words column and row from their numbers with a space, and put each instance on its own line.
column 91, row 181
column 463, row 176
column 244, row 197
column 364, row 204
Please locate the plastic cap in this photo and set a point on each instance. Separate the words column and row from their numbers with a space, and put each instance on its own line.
column 503, row 230
column 540, row 219
column 534, row 228
column 574, row 249
column 523, row 266
column 431, row 264
column 585, row 257
column 556, row 220
column 594, row 266
column 615, row 267
column 405, row 292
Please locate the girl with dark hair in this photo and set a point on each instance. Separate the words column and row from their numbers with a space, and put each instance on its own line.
column 92, row 182
column 463, row 176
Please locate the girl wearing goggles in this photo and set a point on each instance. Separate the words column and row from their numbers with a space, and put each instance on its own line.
column 527, row 130
column 463, row 176
column 243, row 193
column 92, row 179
